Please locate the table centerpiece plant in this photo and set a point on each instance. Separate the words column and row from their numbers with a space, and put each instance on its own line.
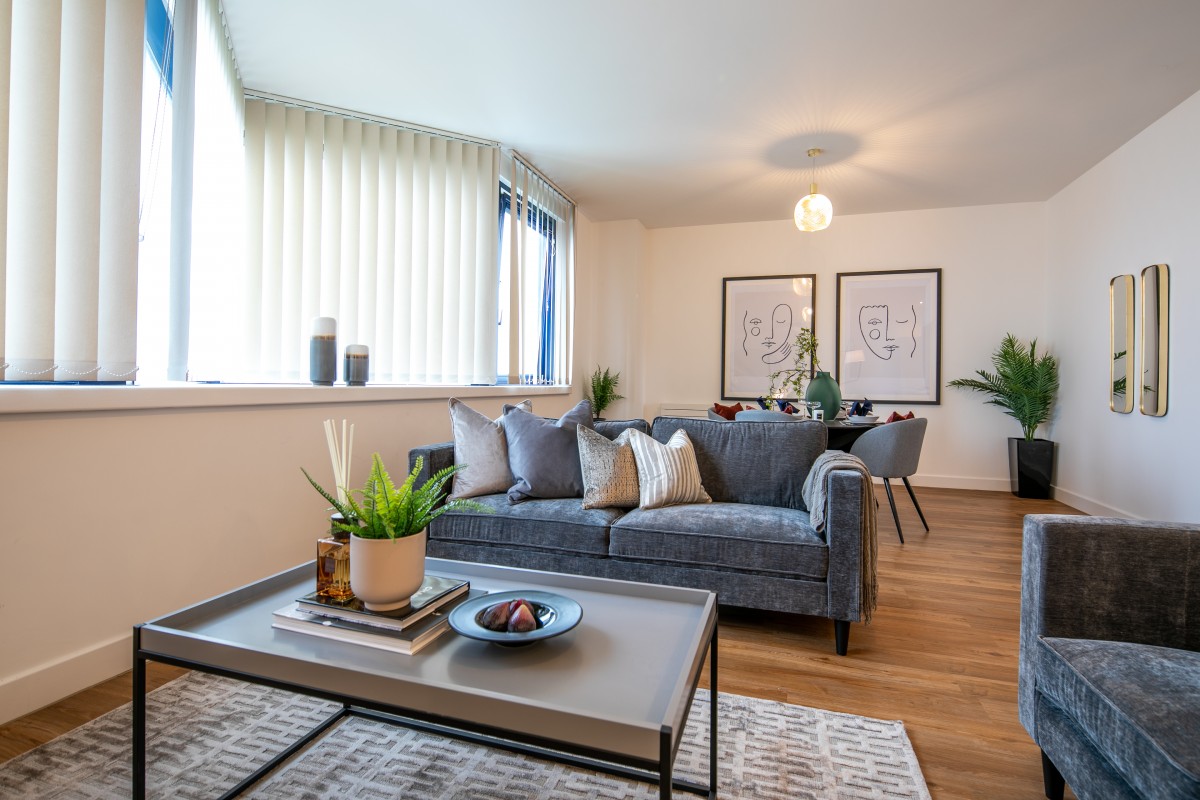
column 388, row 528
column 821, row 390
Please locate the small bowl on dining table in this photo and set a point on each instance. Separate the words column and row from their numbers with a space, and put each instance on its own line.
column 862, row 420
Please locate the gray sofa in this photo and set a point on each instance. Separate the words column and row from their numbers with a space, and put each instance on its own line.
column 1109, row 683
column 753, row 544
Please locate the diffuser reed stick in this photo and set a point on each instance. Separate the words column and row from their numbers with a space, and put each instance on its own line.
column 340, row 453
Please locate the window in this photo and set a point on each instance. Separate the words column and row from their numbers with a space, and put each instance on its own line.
column 253, row 217
column 536, row 285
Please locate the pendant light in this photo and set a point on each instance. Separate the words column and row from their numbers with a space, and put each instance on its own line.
column 814, row 212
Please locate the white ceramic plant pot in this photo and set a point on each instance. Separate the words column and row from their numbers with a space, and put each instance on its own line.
column 385, row 573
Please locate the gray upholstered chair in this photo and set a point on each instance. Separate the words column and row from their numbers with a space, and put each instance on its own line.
column 765, row 415
column 893, row 451
column 1109, row 684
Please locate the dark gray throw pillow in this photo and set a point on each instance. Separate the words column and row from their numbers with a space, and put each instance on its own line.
column 543, row 454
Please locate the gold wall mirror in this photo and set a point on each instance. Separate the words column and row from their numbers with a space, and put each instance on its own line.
column 1155, row 296
column 1120, row 342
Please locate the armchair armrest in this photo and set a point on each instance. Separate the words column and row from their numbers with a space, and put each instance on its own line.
column 1105, row 578
column 844, row 534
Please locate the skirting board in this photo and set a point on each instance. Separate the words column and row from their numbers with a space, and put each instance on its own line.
column 49, row 683
column 1088, row 505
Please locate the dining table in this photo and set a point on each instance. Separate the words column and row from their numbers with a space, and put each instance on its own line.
column 843, row 434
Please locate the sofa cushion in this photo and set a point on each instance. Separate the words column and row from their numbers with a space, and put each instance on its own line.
column 612, row 428
column 557, row 525
column 667, row 472
column 725, row 536
column 479, row 444
column 757, row 463
column 1138, row 704
column 610, row 478
column 543, row 454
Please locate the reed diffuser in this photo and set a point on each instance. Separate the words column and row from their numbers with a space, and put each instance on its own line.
column 333, row 551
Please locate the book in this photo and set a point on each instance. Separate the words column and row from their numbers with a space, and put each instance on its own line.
column 294, row 618
column 435, row 592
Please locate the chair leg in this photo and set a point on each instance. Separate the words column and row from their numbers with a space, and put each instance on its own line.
column 920, row 514
column 1052, row 779
column 892, row 502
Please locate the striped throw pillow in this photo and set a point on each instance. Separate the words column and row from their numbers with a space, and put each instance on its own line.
column 667, row 473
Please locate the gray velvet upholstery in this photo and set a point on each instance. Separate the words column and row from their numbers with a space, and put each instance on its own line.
column 754, row 546
column 757, row 463
column 1109, row 683
column 892, row 450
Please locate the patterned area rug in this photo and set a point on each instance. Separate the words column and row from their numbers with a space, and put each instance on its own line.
column 207, row 733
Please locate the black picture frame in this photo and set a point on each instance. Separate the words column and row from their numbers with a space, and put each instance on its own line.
column 755, row 342
column 889, row 336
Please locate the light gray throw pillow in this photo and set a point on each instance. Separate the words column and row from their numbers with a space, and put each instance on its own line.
column 479, row 443
column 543, row 454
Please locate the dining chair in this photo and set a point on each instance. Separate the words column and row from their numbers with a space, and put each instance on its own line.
column 893, row 451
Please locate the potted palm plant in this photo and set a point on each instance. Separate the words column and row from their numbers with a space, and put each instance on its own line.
column 602, row 391
column 387, row 526
column 1025, row 386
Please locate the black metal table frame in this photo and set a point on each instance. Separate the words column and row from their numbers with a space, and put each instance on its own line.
column 646, row 771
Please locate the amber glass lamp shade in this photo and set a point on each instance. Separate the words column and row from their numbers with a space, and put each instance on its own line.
column 814, row 212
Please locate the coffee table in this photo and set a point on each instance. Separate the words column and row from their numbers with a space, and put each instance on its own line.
column 612, row 695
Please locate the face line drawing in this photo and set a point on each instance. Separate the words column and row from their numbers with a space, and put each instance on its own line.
column 879, row 330
column 777, row 339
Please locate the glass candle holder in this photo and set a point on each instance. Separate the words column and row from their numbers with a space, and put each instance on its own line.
column 322, row 352
column 357, row 365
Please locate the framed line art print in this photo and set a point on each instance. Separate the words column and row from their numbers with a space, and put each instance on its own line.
column 889, row 328
column 760, row 320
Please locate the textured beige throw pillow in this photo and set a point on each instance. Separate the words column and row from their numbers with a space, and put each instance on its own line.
column 668, row 474
column 480, row 444
column 610, row 478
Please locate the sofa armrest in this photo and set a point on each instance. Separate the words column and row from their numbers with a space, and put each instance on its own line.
column 844, row 534
column 437, row 457
column 1105, row 578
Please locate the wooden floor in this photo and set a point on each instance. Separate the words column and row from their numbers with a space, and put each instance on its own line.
column 941, row 653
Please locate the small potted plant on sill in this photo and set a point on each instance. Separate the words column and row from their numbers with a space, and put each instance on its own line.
column 1025, row 386
column 602, row 391
column 388, row 531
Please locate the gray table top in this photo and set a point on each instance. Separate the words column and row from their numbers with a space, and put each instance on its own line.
column 626, row 672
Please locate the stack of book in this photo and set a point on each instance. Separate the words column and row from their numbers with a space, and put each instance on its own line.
column 406, row 630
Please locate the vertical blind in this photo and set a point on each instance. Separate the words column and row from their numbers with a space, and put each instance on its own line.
column 70, row 83
column 390, row 231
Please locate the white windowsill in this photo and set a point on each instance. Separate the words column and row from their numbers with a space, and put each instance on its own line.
column 59, row 399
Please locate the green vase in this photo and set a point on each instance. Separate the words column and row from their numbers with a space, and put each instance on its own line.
column 823, row 389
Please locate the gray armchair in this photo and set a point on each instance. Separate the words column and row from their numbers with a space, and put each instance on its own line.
column 893, row 451
column 1109, row 684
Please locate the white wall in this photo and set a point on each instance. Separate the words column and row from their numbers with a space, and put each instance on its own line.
column 992, row 261
column 1136, row 208
column 113, row 518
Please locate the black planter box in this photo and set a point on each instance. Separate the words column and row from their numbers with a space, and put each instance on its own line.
column 1031, row 465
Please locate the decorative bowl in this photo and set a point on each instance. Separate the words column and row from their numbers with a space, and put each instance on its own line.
column 555, row 615
column 861, row 420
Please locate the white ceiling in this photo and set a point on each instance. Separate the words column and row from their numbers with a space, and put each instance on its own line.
column 694, row 112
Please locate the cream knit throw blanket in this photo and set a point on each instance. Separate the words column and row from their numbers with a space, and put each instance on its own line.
column 815, row 492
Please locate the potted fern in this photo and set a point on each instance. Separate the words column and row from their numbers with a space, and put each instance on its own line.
column 602, row 391
column 388, row 531
column 1025, row 386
